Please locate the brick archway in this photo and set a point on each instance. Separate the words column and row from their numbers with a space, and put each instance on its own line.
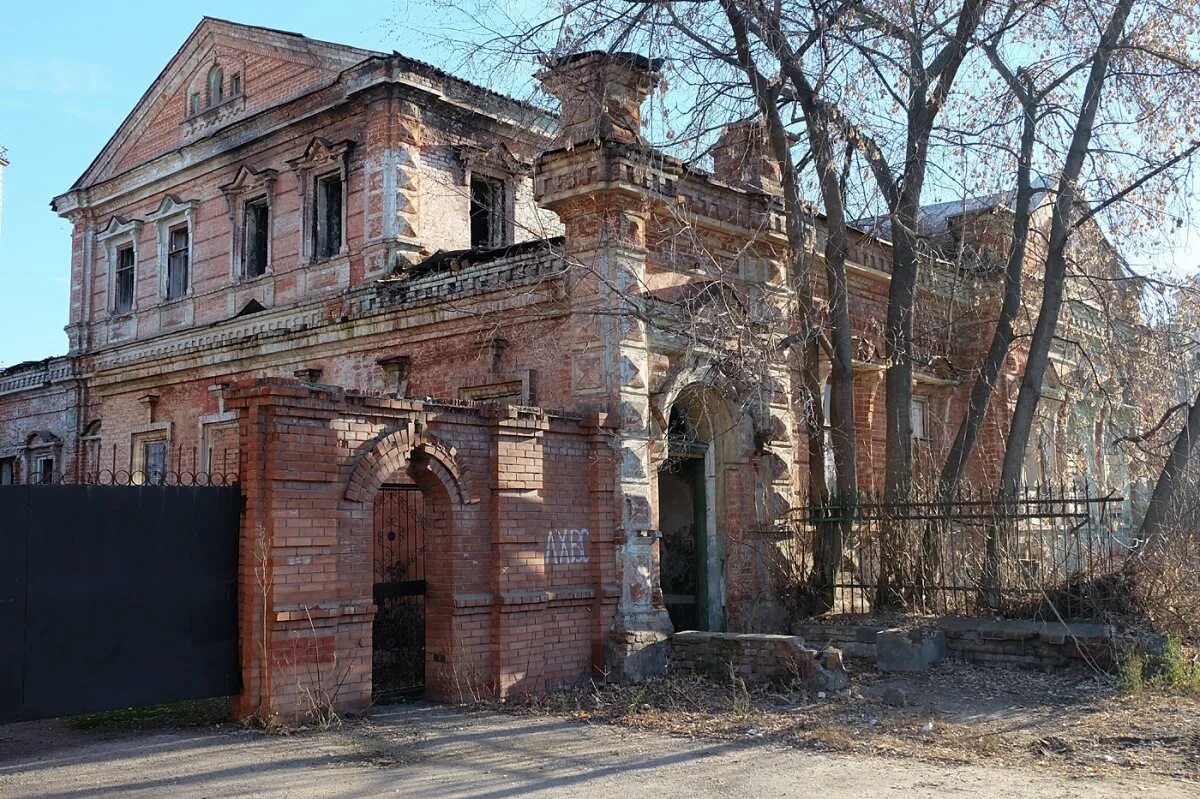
column 392, row 450
column 435, row 468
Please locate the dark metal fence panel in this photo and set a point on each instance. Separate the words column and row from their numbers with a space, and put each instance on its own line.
column 130, row 596
column 14, row 510
column 1050, row 544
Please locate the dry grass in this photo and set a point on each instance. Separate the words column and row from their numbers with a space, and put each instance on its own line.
column 957, row 714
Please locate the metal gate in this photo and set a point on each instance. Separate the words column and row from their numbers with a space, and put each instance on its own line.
column 116, row 596
column 399, row 629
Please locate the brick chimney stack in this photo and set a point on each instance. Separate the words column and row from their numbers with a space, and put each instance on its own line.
column 742, row 157
column 601, row 95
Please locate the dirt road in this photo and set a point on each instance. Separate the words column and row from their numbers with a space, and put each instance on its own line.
column 417, row 751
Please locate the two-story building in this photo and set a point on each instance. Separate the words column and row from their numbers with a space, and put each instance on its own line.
column 336, row 273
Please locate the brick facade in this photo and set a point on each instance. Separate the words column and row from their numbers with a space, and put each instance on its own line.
column 397, row 349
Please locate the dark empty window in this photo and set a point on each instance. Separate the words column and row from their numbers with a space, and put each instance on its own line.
column 235, row 84
column 254, row 245
column 177, row 262
column 216, row 76
column 327, row 232
column 154, row 457
column 44, row 473
column 8, row 471
column 489, row 212
column 124, row 280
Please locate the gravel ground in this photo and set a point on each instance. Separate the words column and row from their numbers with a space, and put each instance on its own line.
column 424, row 750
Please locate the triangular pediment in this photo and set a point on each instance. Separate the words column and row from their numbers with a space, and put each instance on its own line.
column 497, row 158
column 272, row 67
column 119, row 226
column 248, row 177
column 321, row 150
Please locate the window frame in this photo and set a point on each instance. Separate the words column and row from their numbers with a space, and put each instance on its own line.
column 139, row 440
column 173, row 214
column 8, row 469
column 41, row 475
column 321, row 160
column 118, row 235
column 178, row 259
column 499, row 214
column 923, row 404
column 121, row 271
column 216, row 97
column 262, row 230
column 321, row 246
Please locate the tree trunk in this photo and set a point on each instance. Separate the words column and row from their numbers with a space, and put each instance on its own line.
column 1052, row 294
column 1151, row 534
column 828, row 537
column 1002, row 337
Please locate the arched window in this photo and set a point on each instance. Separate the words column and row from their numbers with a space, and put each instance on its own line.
column 216, row 77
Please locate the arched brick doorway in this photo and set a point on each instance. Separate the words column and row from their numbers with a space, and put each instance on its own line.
column 411, row 486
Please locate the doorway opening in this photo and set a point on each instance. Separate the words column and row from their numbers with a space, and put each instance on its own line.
column 684, row 489
column 398, row 632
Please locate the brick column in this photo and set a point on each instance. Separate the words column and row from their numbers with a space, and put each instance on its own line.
column 596, row 184
column 518, row 546
column 391, row 162
column 305, row 622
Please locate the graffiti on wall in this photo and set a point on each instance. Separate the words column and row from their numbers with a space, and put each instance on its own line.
column 565, row 547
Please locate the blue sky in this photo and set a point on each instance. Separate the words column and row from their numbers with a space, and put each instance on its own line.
column 70, row 72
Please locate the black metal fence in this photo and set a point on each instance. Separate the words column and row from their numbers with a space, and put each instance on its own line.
column 975, row 553
column 117, row 596
column 170, row 466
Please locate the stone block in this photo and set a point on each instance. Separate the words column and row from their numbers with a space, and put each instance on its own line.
column 909, row 650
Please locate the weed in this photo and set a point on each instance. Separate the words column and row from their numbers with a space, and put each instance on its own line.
column 193, row 713
column 1168, row 671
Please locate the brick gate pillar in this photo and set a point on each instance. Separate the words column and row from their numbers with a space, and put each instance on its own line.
column 596, row 180
column 304, row 605
column 518, row 546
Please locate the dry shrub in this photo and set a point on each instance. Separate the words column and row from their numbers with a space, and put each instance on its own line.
column 1165, row 586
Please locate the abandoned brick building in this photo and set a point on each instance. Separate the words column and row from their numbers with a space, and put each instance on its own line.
column 346, row 275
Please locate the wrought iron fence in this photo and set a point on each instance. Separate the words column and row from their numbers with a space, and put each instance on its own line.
column 177, row 466
column 975, row 553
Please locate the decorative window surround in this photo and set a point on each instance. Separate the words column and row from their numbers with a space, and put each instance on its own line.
column 204, row 110
column 40, row 447
column 495, row 161
column 170, row 213
column 210, row 428
column 140, row 437
column 495, row 164
column 248, row 185
column 118, row 233
column 321, row 158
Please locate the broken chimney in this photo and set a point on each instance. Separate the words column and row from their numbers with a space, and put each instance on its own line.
column 600, row 95
column 742, row 158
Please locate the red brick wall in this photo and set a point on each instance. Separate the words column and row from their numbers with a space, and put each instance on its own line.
column 516, row 585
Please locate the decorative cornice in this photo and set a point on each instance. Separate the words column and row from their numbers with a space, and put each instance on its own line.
column 170, row 206
column 320, row 151
column 120, row 226
column 249, row 178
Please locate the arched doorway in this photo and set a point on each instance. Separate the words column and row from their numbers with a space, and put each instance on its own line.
column 692, row 551
column 411, row 495
column 401, row 529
